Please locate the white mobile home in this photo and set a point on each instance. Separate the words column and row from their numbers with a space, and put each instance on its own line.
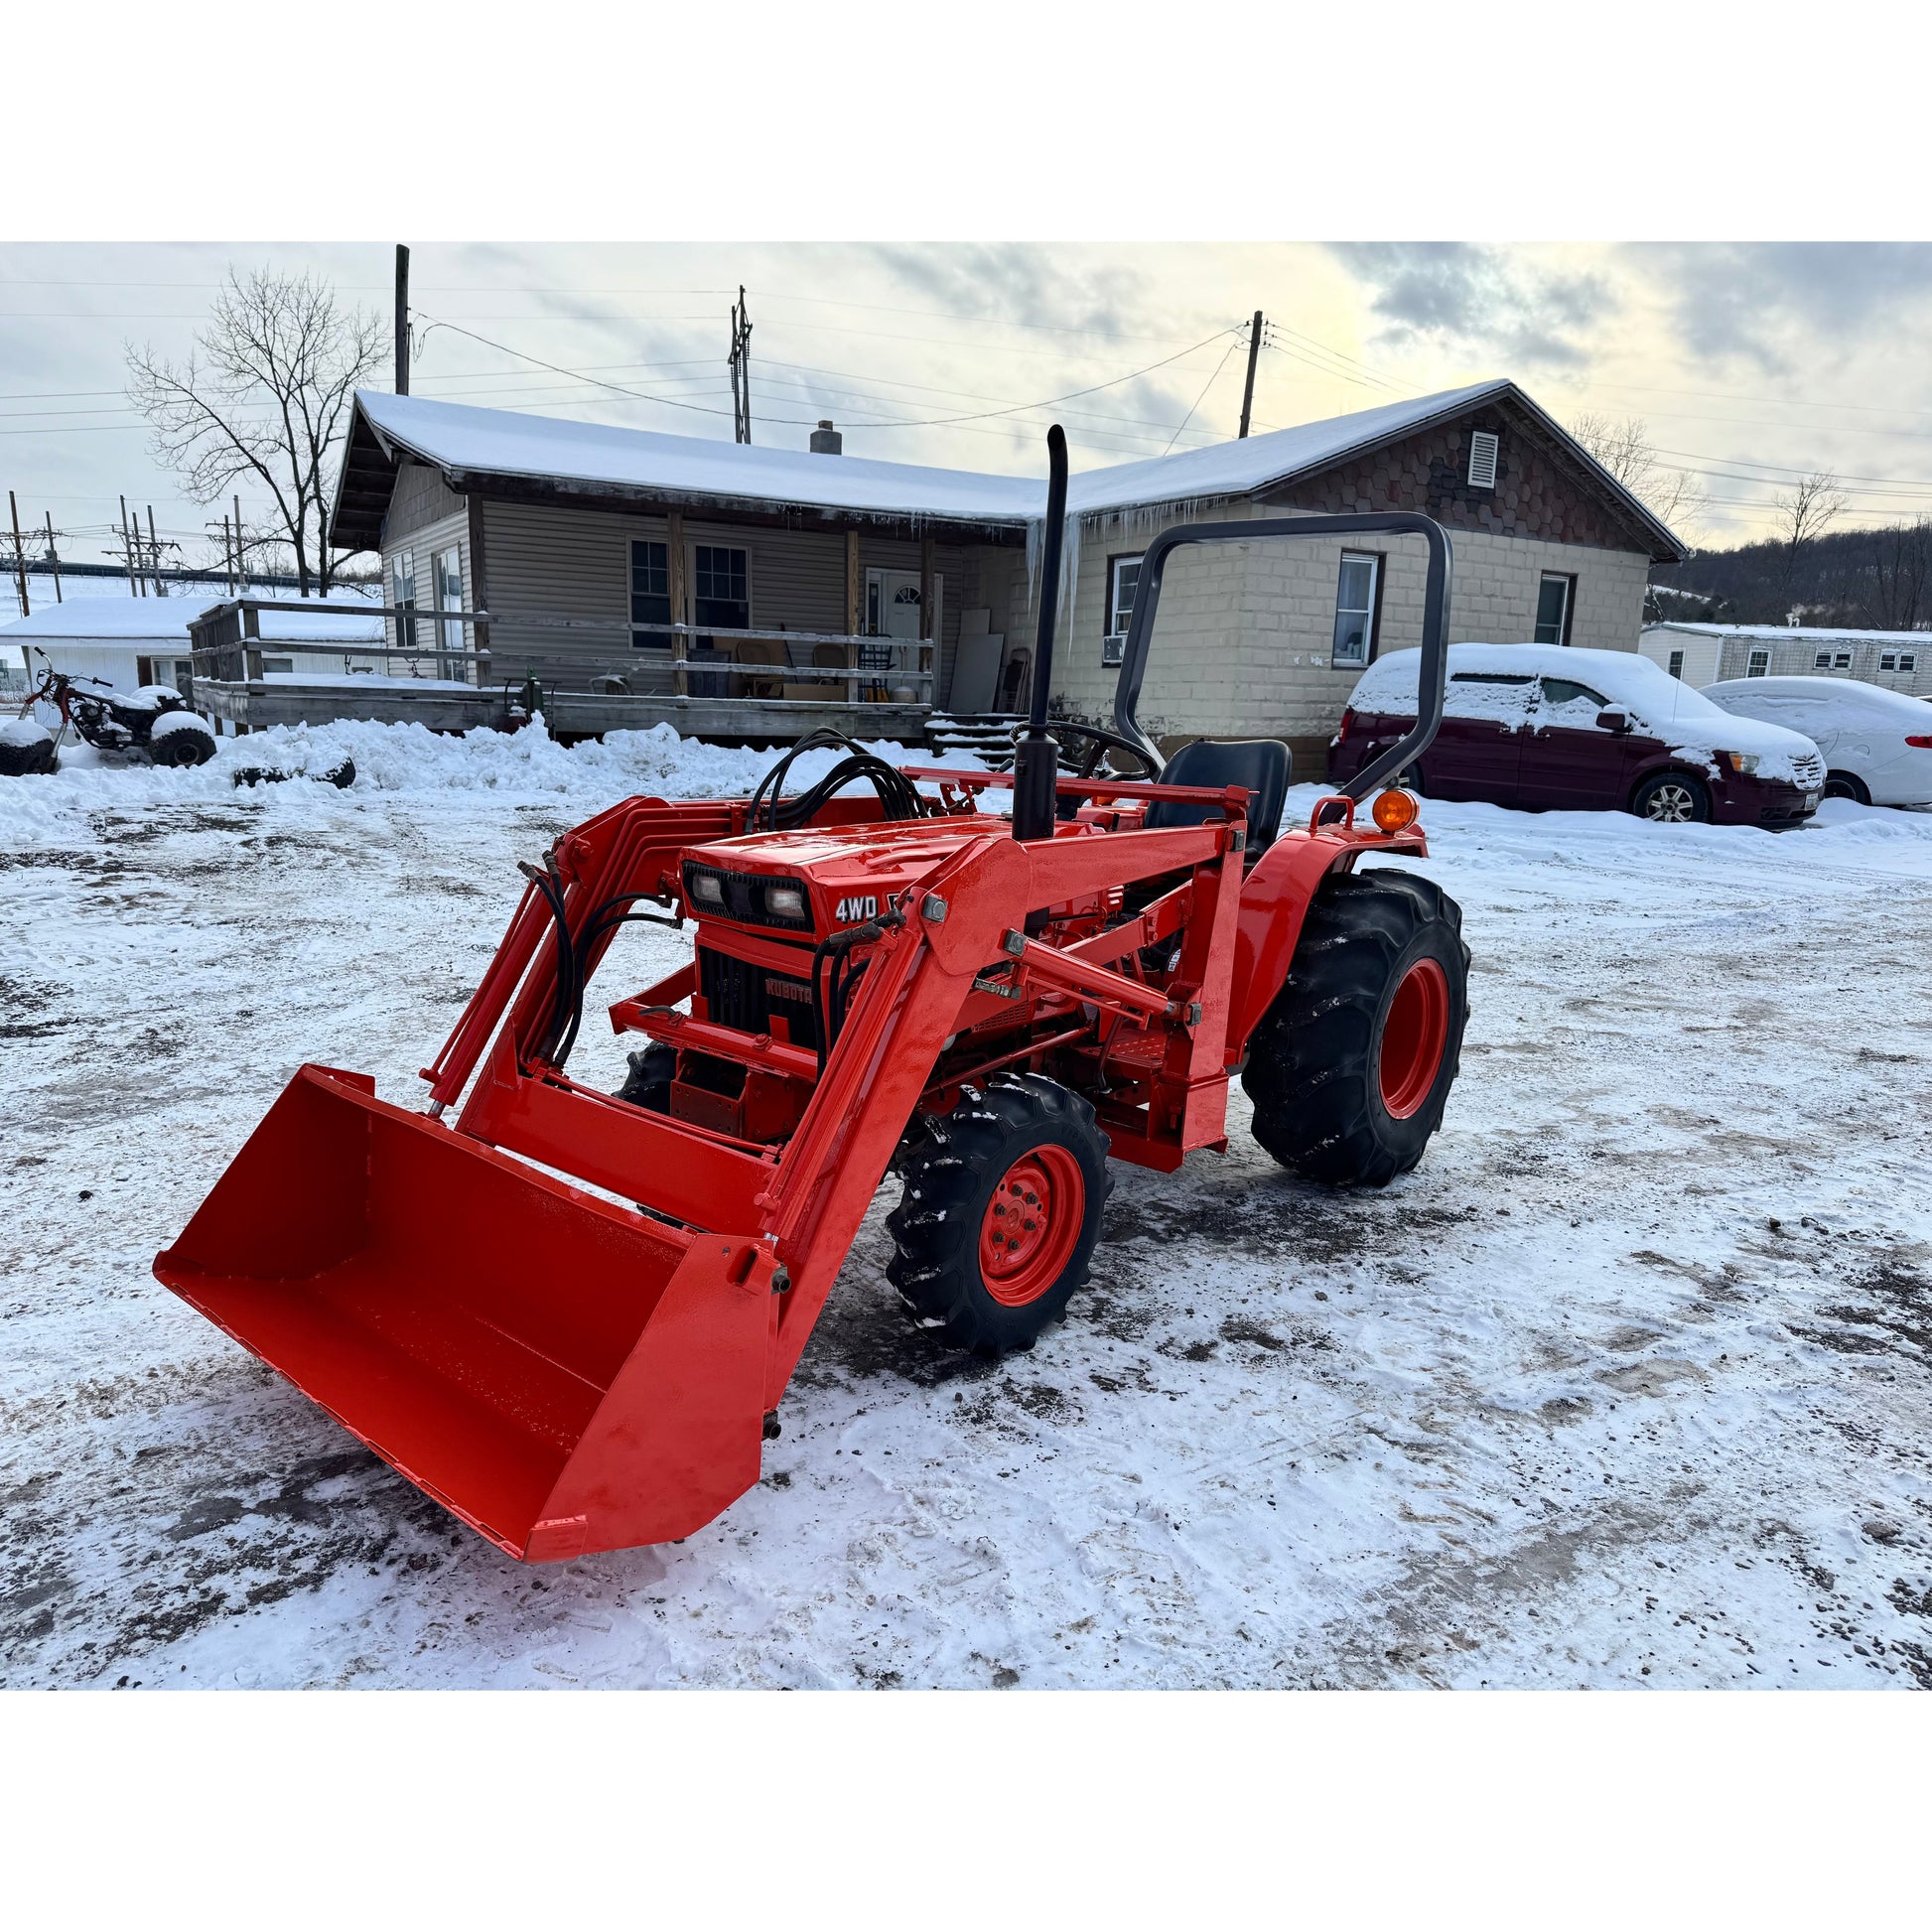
column 1706, row 654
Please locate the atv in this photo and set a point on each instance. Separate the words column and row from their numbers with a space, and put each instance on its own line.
column 155, row 722
column 569, row 1315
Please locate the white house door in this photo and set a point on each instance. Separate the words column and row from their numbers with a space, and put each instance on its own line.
column 892, row 603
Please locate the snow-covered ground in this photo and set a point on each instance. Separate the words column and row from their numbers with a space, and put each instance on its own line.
column 1626, row 1385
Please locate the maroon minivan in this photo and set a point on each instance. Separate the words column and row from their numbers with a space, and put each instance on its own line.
column 1549, row 728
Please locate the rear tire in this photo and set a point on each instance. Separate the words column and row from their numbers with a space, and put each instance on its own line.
column 1848, row 784
column 1353, row 1064
column 1672, row 798
column 29, row 759
column 182, row 747
column 1000, row 1213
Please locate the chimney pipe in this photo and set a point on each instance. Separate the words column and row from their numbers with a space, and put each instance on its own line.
column 826, row 441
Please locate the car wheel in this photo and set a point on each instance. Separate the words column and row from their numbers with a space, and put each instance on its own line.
column 1672, row 798
column 1846, row 784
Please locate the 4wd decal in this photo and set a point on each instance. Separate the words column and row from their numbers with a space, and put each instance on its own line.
column 855, row 912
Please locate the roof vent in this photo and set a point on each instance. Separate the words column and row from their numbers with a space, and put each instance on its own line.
column 1483, row 445
column 826, row 441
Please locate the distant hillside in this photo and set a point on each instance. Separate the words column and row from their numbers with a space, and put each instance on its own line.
column 1872, row 580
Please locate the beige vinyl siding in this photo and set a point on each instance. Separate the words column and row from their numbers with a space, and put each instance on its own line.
column 553, row 562
column 422, row 543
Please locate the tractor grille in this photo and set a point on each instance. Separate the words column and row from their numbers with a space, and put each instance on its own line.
column 746, row 998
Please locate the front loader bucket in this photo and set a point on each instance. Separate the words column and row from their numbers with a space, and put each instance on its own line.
column 563, row 1374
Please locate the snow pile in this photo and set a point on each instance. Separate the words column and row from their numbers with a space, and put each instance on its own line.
column 178, row 721
column 1657, row 704
column 21, row 730
column 526, row 766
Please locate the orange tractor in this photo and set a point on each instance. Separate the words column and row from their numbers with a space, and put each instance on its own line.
column 569, row 1315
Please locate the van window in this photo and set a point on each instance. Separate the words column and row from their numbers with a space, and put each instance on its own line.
column 1562, row 690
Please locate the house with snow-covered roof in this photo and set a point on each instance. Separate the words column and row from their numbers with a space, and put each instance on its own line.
column 696, row 566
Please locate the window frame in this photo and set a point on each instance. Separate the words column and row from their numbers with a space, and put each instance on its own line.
column 1757, row 661
column 402, row 570
column 1908, row 662
column 1568, row 579
column 744, row 550
column 1676, row 665
column 1373, row 610
column 659, row 635
column 448, row 637
column 1821, row 660
column 1113, row 635
column 1840, row 660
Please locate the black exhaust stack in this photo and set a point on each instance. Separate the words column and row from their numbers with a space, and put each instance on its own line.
column 1037, row 763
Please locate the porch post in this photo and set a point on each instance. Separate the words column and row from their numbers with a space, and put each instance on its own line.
column 853, row 606
column 680, row 643
column 929, row 644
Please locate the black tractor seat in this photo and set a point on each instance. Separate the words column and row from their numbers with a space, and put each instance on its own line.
column 1260, row 764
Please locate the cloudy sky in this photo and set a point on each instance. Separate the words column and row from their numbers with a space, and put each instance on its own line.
column 1751, row 364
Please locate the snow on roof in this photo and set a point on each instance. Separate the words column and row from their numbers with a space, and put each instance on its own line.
column 501, row 442
column 165, row 620
column 1771, row 634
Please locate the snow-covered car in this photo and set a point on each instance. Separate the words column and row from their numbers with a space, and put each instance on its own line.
column 1554, row 729
column 1876, row 743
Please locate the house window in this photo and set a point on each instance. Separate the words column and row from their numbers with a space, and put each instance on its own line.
column 445, row 586
column 1908, row 660
column 1553, row 601
column 1123, row 579
column 1483, row 446
column 721, row 587
column 278, row 666
column 1889, row 662
column 1355, row 610
column 1822, row 663
column 402, row 594
column 651, row 596
column 1758, row 663
column 1677, row 663
column 1841, row 660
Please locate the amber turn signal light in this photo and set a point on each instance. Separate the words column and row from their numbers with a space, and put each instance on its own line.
column 1395, row 811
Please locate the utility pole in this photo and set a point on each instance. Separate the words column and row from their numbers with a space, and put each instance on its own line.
column 1248, row 394
column 20, row 558
column 402, row 319
column 128, row 552
column 153, row 554
column 53, row 558
column 741, row 367
column 228, row 551
column 241, row 561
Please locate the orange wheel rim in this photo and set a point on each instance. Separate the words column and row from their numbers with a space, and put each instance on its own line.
column 1414, row 1037
column 1031, row 1225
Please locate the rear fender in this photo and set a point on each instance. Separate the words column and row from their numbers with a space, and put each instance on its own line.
column 1274, row 903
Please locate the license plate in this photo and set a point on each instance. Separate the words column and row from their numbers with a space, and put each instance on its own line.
column 1811, row 801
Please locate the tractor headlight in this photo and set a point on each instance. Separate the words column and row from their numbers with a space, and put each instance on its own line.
column 785, row 902
column 1745, row 762
column 707, row 889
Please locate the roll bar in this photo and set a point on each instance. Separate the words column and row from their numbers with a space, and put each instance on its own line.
column 1435, row 622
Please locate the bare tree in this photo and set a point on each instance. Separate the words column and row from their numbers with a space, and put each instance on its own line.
column 1896, row 577
column 1623, row 446
column 264, row 394
column 1806, row 510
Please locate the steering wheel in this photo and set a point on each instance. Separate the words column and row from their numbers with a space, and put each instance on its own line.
column 1099, row 745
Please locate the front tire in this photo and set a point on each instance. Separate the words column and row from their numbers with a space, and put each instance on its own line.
column 1000, row 1213
column 1672, row 798
column 1351, row 1068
